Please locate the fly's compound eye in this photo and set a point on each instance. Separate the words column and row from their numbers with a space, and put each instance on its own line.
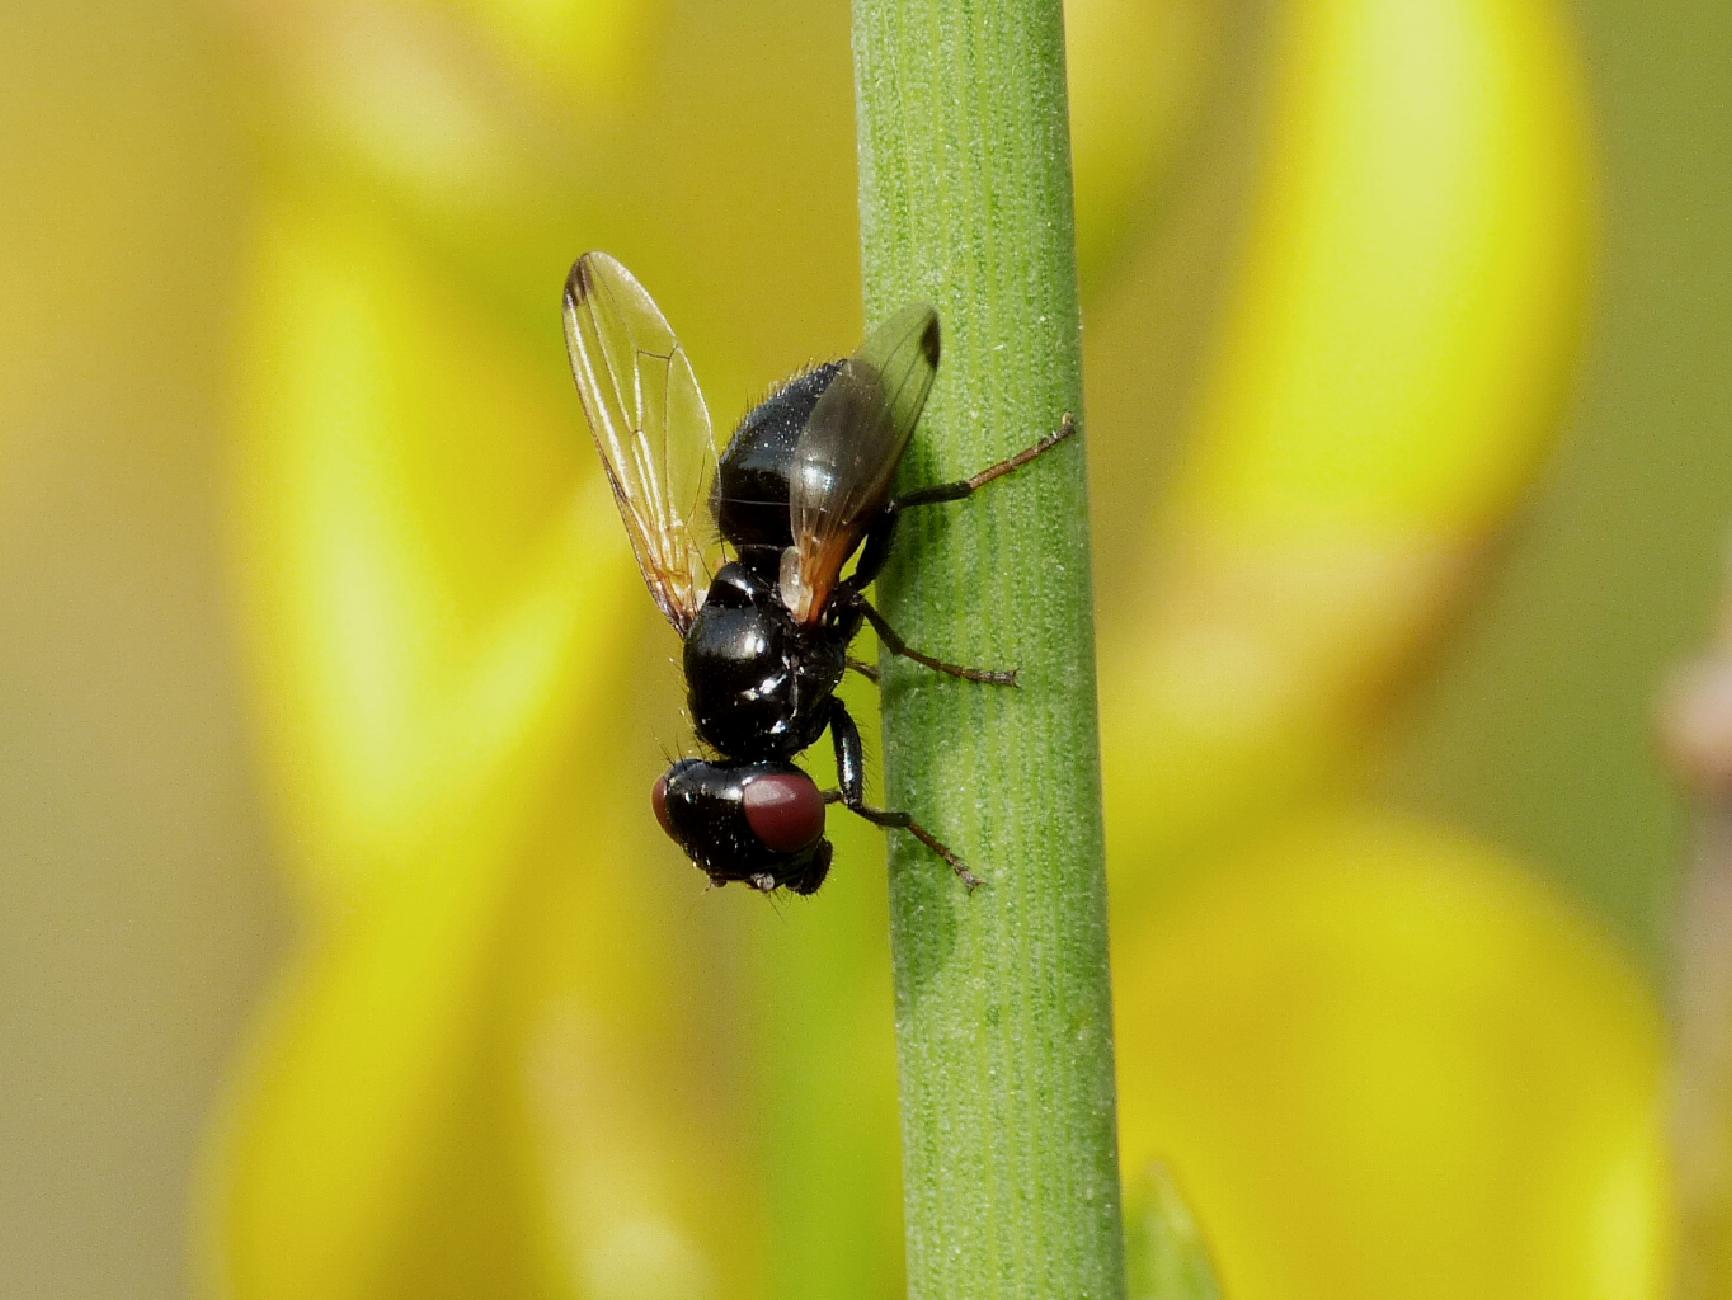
column 784, row 810
column 659, row 801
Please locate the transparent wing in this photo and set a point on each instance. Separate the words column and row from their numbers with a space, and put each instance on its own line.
column 650, row 425
column 847, row 455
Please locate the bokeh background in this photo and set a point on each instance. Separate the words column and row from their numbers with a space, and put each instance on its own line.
column 339, row 954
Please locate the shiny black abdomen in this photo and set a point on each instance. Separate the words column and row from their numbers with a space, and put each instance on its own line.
column 759, row 685
column 750, row 496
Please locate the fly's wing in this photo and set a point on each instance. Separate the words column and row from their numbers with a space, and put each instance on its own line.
column 650, row 425
column 847, row 454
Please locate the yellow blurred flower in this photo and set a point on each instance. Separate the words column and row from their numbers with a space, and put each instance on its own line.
column 1399, row 328
column 1386, row 1063
column 1383, row 1062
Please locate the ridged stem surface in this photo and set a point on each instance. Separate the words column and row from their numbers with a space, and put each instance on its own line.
column 1003, row 1007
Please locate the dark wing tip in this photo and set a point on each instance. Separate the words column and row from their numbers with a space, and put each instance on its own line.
column 929, row 340
column 577, row 283
column 581, row 282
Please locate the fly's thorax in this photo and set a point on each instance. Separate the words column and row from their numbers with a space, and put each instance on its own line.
column 758, row 684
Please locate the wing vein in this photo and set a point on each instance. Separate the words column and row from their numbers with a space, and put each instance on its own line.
column 652, row 432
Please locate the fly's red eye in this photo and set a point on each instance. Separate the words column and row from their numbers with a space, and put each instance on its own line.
column 659, row 800
column 785, row 811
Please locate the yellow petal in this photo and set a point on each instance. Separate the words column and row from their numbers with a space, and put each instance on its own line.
column 434, row 637
column 414, row 534
column 1387, row 377
column 1384, row 1062
column 589, row 50
column 1138, row 74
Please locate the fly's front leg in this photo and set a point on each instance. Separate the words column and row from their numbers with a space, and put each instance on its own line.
column 850, row 757
column 851, row 776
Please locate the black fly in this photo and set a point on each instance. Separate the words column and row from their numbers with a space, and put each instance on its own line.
column 802, row 485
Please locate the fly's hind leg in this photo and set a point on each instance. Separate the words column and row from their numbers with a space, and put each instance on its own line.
column 851, row 774
column 966, row 487
column 877, row 550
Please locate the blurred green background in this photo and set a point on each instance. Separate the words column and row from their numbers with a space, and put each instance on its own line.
column 339, row 955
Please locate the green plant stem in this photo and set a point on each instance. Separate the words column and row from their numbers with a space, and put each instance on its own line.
column 1003, row 1006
